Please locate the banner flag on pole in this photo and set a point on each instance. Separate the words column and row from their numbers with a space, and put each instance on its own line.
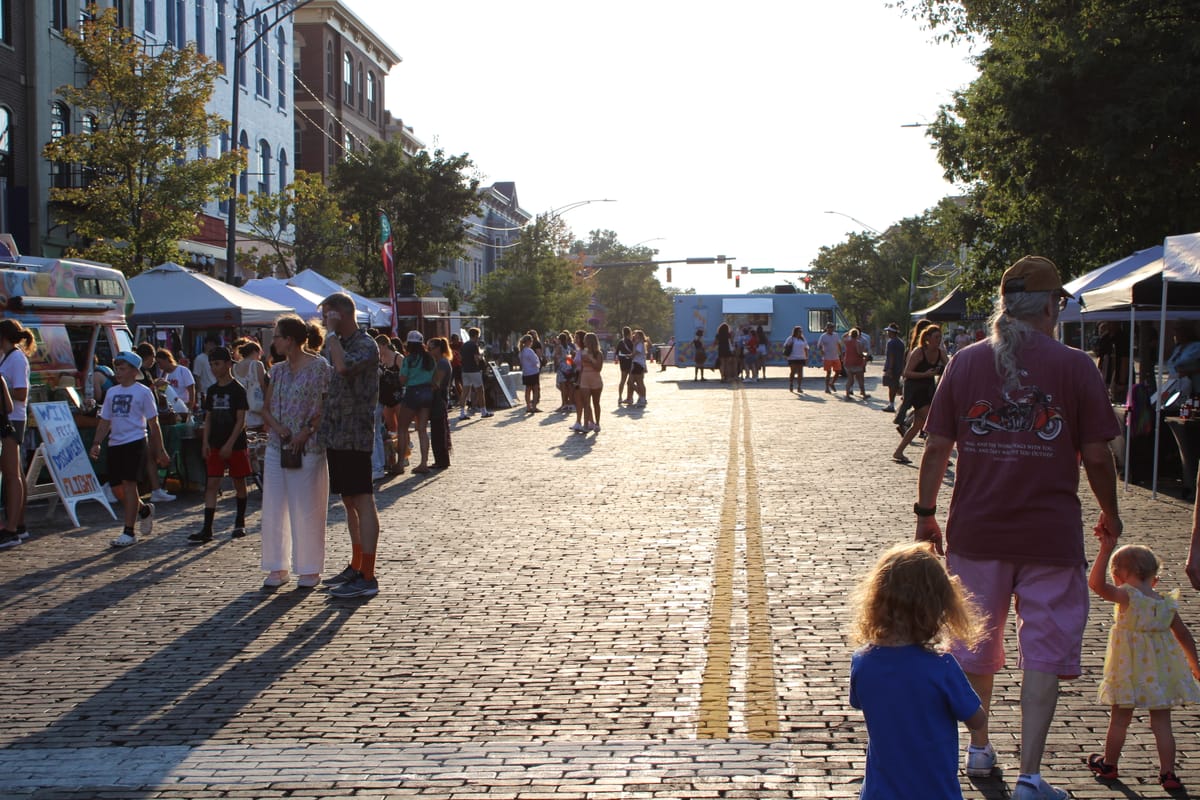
column 389, row 267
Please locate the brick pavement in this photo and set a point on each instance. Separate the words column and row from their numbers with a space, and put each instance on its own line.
column 654, row 612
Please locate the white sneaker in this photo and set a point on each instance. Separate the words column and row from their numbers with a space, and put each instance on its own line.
column 463, row 416
column 1043, row 791
column 161, row 496
column 108, row 493
column 124, row 540
column 486, row 414
column 146, row 523
column 578, row 428
column 376, row 477
column 980, row 763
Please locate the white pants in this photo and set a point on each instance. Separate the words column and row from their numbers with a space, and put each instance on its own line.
column 294, row 508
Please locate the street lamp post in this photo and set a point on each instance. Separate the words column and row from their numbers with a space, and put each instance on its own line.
column 240, row 18
column 875, row 231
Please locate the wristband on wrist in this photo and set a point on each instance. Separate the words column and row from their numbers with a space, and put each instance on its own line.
column 922, row 511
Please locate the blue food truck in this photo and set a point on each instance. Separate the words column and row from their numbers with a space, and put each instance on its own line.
column 776, row 313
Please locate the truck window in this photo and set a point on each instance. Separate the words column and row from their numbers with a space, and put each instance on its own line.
column 818, row 317
column 81, row 337
column 53, row 351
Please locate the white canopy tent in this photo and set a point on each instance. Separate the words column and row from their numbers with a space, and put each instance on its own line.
column 379, row 314
column 170, row 293
column 304, row 302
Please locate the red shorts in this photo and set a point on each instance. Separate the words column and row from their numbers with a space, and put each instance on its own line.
column 238, row 464
column 832, row 363
column 1052, row 612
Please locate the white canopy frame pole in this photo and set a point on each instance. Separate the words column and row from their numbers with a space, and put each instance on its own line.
column 1129, row 394
column 1158, row 387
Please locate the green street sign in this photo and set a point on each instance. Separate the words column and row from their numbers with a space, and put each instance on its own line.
column 762, row 270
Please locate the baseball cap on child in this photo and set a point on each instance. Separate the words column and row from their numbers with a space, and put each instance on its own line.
column 129, row 357
column 415, row 337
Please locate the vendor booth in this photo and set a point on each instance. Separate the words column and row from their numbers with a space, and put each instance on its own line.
column 171, row 294
column 303, row 301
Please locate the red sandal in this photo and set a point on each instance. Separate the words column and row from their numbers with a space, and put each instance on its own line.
column 1169, row 780
column 1102, row 769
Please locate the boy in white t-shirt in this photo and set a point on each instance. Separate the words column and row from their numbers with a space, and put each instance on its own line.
column 129, row 410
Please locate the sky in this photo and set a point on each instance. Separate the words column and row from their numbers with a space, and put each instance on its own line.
column 725, row 128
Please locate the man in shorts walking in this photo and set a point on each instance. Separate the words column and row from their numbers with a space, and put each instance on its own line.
column 224, row 444
column 348, row 434
column 830, row 347
column 1014, row 526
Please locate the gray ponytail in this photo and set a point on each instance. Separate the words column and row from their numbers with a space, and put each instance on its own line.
column 1011, row 330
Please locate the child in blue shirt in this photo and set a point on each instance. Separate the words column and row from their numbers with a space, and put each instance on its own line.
column 912, row 694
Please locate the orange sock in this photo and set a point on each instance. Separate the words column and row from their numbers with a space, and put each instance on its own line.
column 355, row 556
column 368, row 566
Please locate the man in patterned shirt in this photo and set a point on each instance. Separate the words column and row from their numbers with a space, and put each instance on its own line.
column 347, row 431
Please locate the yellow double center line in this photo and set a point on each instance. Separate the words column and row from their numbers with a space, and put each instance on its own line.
column 761, row 710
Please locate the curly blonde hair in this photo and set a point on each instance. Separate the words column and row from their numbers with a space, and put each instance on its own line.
column 909, row 598
column 1137, row 560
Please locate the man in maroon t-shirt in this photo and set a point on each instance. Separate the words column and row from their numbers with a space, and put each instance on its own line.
column 1023, row 410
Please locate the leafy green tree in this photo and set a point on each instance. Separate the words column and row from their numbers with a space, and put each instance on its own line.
column 140, row 194
column 303, row 227
column 534, row 288
column 1076, row 139
column 426, row 198
column 630, row 296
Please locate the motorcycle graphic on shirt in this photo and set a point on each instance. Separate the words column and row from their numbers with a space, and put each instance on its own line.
column 1032, row 411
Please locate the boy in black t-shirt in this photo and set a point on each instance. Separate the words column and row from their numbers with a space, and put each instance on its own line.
column 224, row 443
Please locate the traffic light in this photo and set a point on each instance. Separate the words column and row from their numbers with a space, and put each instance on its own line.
column 668, row 274
column 737, row 281
column 728, row 271
column 807, row 282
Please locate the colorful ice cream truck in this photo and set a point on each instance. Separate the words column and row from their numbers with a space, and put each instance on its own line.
column 76, row 312
column 776, row 313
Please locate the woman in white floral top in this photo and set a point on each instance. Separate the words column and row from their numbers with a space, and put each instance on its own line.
column 295, row 500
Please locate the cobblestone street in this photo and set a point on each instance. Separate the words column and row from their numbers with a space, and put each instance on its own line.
column 655, row 611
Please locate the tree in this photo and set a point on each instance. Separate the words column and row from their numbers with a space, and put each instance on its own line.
column 426, row 198
column 629, row 295
column 534, row 288
column 304, row 227
column 1075, row 141
column 139, row 193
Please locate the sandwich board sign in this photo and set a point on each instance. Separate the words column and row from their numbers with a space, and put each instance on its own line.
column 65, row 458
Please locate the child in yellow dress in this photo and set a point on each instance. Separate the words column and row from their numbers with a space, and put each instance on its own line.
column 1143, row 667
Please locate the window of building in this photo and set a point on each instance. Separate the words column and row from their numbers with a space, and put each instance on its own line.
column 6, row 21
column 331, row 144
column 283, row 182
column 264, row 167
column 241, row 65
column 281, row 68
column 60, row 126
column 181, row 21
column 150, row 12
column 372, row 102
column 262, row 75
column 172, row 9
column 201, row 28
column 348, row 79
column 301, row 132
column 330, row 86
column 244, row 178
column 60, row 16
column 219, row 44
column 6, row 147
column 223, row 205
column 360, row 87
column 347, row 144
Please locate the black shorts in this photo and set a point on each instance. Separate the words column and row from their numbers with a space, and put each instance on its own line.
column 637, row 369
column 349, row 471
column 418, row 398
column 624, row 364
column 531, row 380
column 126, row 462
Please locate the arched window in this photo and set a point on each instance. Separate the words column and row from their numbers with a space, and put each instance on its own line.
column 372, row 102
column 60, row 126
column 360, row 87
column 244, row 178
column 150, row 12
column 281, row 67
column 283, row 182
column 264, row 167
column 348, row 79
column 262, row 73
column 330, row 86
